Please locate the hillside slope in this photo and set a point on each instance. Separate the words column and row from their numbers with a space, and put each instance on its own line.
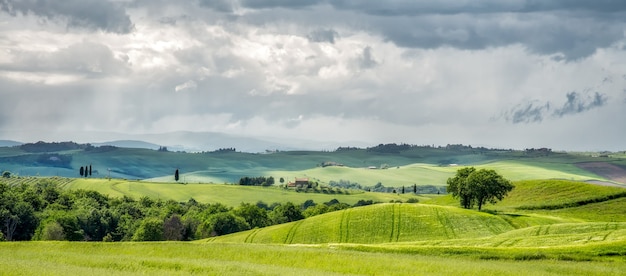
column 381, row 223
column 407, row 165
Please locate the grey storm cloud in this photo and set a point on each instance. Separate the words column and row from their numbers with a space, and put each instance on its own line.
column 321, row 35
column 227, row 5
column 367, row 60
column 574, row 28
column 535, row 111
column 94, row 14
column 531, row 112
column 403, row 7
column 400, row 7
column 87, row 58
column 577, row 104
column 403, row 71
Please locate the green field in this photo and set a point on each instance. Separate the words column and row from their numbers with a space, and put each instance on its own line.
column 550, row 224
column 427, row 174
column 380, row 223
column 390, row 239
column 230, row 195
column 176, row 258
column 417, row 165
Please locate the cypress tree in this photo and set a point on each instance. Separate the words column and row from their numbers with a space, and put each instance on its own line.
column 82, row 170
column 176, row 175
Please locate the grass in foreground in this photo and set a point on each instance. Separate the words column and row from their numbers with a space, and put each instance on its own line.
column 176, row 258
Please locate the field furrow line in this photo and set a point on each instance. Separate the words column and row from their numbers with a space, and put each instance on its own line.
column 538, row 232
column 547, row 230
column 343, row 226
column 292, row 232
column 445, row 230
column 398, row 221
column 347, row 231
column 250, row 237
column 607, row 235
column 500, row 243
column 393, row 222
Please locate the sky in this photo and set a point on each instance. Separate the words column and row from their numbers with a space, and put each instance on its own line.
column 505, row 74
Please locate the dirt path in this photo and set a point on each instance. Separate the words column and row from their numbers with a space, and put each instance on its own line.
column 606, row 170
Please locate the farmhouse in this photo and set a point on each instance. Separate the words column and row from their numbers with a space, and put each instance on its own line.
column 299, row 183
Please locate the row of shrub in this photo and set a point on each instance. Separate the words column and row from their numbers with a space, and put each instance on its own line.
column 573, row 203
column 44, row 211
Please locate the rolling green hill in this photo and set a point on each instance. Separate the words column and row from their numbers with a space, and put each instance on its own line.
column 379, row 223
column 545, row 227
column 427, row 174
column 406, row 166
column 544, row 212
column 546, row 194
column 230, row 195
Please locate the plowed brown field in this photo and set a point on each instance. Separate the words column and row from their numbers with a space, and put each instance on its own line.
column 606, row 170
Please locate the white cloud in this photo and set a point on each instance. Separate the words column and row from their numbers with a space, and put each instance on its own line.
column 423, row 73
column 188, row 85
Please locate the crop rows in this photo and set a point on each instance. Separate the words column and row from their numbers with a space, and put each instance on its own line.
column 31, row 180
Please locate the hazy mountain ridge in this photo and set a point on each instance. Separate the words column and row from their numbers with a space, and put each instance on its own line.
column 182, row 141
column 9, row 143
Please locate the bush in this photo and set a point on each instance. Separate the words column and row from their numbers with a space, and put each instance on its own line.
column 222, row 224
column 108, row 238
column 150, row 229
column 173, row 228
column 286, row 212
column 412, row 200
column 362, row 202
column 53, row 231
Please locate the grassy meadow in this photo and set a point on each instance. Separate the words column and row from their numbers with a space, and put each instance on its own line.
column 435, row 238
column 380, row 223
column 230, row 195
column 553, row 223
column 178, row 258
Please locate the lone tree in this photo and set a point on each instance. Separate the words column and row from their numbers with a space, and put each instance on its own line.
column 458, row 188
column 176, row 176
column 478, row 187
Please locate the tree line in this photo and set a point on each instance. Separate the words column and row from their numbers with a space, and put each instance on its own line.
column 380, row 188
column 256, row 181
column 85, row 171
column 44, row 211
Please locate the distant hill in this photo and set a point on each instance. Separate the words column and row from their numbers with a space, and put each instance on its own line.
column 190, row 141
column 209, row 141
column 9, row 143
column 391, row 165
column 133, row 144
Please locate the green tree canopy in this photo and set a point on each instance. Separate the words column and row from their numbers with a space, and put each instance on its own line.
column 478, row 187
column 458, row 188
column 255, row 216
column 150, row 229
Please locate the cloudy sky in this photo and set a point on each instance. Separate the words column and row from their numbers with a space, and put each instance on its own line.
column 512, row 74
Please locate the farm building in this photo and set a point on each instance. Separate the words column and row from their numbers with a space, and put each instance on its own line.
column 300, row 183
